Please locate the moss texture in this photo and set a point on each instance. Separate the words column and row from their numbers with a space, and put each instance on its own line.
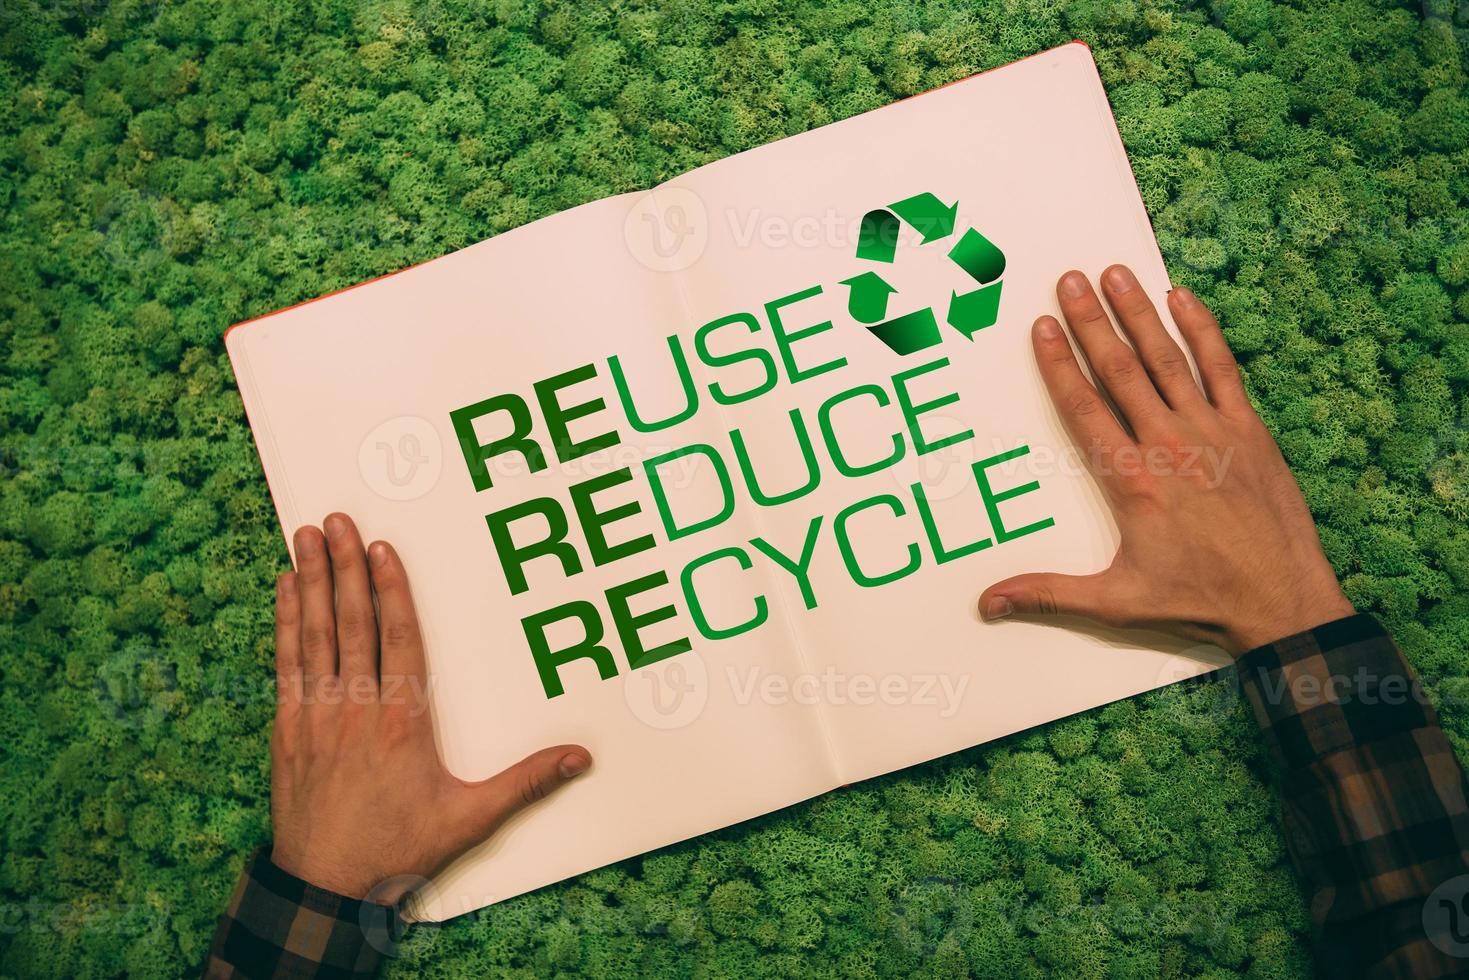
column 167, row 169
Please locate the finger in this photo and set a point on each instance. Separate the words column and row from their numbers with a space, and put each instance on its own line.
column 285, row 759
column 1088, row 419
column 484, row 806
column 1050, row 594
column 1217, row 365
column 403, row 669
column 1163, row 358
column 356, row 619
column 287, row 645
column 1115, row 364
column 318, row 612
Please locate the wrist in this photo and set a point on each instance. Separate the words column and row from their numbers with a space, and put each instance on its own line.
column 338, row 881
column 1297, row 613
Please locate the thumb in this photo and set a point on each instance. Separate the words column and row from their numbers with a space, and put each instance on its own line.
column 489, row 803
column 1048, row 594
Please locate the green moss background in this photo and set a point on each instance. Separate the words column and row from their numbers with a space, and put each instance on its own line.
column 167, row 169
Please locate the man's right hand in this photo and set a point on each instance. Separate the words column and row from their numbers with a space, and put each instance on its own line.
column 1217, row 542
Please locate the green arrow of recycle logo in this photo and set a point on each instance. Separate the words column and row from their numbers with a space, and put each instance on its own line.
column 877, row 241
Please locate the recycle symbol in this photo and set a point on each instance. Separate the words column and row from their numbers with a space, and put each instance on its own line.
column 877, row 241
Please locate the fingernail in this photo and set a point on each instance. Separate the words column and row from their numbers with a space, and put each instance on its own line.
column 1073, row 285
column 1047, row 329
column 336, row 525
column 998, row 608
column 573, row 765
column 306, row 544
column 1184, row 295
column 1120, row 279
column 378, row 553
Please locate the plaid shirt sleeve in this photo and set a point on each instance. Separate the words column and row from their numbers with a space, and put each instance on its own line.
column 279, row 926
column 1374, row 801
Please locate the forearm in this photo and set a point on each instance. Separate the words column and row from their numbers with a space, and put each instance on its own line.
column 1374, row 801
column 279, row 926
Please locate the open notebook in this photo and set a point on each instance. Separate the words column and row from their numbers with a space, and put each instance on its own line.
column 710, row 478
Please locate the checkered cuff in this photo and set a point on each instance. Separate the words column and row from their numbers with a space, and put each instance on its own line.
column 280, row 926
column 1338, row 686
column 1375, row 807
